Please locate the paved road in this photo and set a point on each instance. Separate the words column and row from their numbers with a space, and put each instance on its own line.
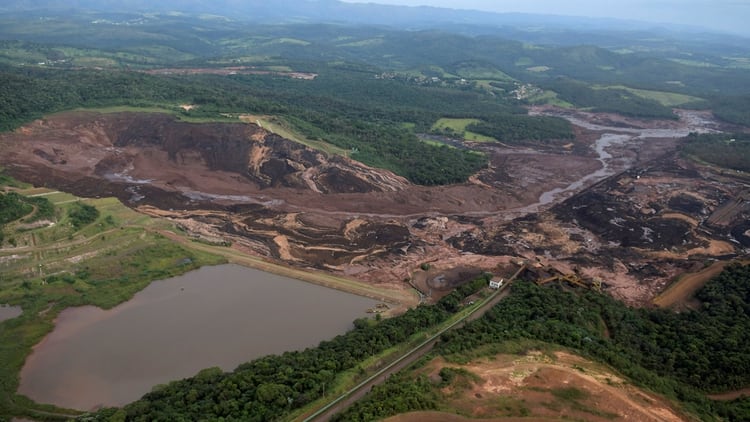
column 350, row 397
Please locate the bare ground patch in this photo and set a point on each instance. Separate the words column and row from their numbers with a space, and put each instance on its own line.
column 541, row 386
column 298, row 206
column 682, row 290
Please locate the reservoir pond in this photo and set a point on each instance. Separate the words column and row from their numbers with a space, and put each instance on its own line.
column 215, row 316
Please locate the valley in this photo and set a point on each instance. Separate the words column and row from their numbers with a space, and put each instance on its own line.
column 623, row 205
column 540, row 217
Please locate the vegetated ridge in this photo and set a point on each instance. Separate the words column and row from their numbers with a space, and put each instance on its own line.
column 597, row 198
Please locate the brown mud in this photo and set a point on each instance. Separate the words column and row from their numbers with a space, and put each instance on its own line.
column 619, row 205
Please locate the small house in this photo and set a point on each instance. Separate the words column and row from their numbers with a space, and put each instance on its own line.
column 496, row 283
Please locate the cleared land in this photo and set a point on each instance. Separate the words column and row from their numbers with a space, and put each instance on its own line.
column 280, row 127
column 539, row 386
column 458, row 126
column 680, row 293
column 668, row 99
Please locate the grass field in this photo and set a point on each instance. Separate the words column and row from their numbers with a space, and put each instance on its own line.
column 458, row 126
column 549, row 97
column 480, row 72
column 173, row 110
column 55, row 266
column 667, row 99
column 280, row 127
column 16, row 52
column 52, row 266
column 292, row 41
column 363, row 43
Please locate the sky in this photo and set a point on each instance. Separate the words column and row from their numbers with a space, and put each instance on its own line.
column 721, row 15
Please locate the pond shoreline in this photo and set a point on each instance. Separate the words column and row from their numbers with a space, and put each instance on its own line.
column 215, row 316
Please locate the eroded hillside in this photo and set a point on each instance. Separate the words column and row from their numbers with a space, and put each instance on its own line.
column 650, row 215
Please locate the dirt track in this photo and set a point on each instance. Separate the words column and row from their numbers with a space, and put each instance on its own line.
column 302, row 208
column 510, row 386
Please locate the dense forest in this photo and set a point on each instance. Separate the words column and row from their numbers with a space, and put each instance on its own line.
column 29, row 93
column 730, row 151
column 732, row 109
column 511, row 128
column 608, row 100
column 376, row 88
column 402, row 393
column 348, row 108
column 681, row 355
column 270, row 387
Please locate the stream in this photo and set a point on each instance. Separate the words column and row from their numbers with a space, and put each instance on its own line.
column 615, row 136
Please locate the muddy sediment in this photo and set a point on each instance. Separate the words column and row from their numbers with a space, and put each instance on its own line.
column 619, row 204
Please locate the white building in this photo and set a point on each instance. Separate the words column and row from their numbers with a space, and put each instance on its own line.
column 496, row 283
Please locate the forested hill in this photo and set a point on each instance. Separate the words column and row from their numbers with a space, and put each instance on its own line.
column 712, row 68
column 375, row 88
column 329, row 11
column 681, row 356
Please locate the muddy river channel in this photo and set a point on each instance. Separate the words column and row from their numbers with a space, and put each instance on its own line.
column 216, row 316
column 612, row 136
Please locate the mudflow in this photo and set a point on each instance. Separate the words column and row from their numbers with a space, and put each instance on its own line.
column 618, row 205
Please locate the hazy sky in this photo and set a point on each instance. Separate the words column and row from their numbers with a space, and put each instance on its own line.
column 725, row 15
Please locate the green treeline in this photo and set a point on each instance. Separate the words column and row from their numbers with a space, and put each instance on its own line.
column 272, row 386
column 512, row 128
column 368, row 118
column 732, row 109
column 353, row 110
column 682, row 356
column 14, row 206
column 394, row 148
column 82, row 214
column 730, row 151
column 45, row 209
column 400, row 394
column 28, row 93
column 608, row 100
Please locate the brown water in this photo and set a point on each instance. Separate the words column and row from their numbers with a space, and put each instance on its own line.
column 692, row 122
column 216, row 316
column 8, row 312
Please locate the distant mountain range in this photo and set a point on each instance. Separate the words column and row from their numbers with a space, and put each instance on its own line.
column 329, row 11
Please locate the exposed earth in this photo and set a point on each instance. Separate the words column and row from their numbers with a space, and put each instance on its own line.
column 540, row 387
column 620, row 205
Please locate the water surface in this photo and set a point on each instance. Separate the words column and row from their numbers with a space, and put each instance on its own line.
column 216, row 316
column 612, row 135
